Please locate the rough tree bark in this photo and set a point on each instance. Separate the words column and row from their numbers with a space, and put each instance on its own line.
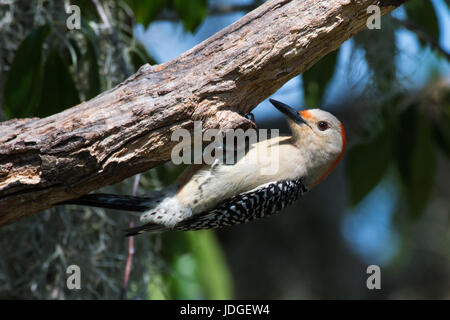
column 127, row 130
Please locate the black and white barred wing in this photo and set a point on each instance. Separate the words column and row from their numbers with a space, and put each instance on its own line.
column 260, row 202
column 263, row 201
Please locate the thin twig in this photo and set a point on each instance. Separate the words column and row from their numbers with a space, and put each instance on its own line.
column 115, row 39
column 127, row 72
column 422, row 35
column 128, row 265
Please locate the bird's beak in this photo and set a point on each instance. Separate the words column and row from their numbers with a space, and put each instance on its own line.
column 289, row 112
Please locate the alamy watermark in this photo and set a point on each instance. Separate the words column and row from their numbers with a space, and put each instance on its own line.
column 374, row 20
column 73, row 281
column 73, row 21
column 227, row 147
column 374, row 280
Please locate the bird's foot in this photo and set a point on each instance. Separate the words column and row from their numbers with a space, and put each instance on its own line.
column 250, row 116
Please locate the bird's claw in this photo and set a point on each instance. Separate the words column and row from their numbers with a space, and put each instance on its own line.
column 250, row 116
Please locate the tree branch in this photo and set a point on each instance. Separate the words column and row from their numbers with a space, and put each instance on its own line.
column 127, row 130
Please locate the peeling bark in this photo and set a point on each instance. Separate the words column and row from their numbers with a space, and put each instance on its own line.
column 127, row 130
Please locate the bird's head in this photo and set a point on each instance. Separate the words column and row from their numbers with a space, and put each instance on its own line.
column 320, row 136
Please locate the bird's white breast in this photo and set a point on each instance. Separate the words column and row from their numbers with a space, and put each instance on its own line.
column 212, row 184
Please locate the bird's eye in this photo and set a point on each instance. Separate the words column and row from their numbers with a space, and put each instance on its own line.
column 322, row 125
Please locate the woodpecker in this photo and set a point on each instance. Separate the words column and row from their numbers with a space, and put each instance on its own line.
column 213, row 196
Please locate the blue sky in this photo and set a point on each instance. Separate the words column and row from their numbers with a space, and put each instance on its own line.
column 367, row 228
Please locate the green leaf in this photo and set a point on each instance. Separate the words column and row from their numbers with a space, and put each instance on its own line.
column 139, row 56
column 147, row 11
column 416, row 159
column 92, row 58
column 192, row 12
column 367, row 163
column 71, row 53
column 184, row 283
column 94, row 85
column 380, row 49
column 58, row 90
column 22, row 86
column 406, row 135
column 198, row 267
column 94, row 72
column 422, row 13
column 212, row 270
column 156, row 287
column 442, row 138
column 441, row 129
column 87, row 9
column 181, row 281
column 315, row 79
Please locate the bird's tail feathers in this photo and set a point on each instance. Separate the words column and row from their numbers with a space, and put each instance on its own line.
column 148, row 227
column 113, row 201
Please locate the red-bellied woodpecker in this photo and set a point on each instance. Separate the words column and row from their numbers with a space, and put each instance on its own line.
column 212, row 196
